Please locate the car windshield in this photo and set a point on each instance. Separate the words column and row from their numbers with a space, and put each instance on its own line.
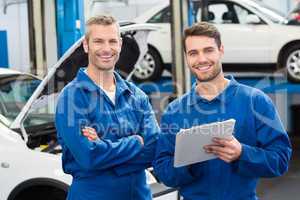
column 42, row 111
column 269, row 12
column 15, row 90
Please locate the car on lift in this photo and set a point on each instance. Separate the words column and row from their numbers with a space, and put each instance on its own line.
column 30, row 161
column 255, row 37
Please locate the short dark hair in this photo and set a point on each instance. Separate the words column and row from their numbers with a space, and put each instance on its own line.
column 202, row 29
column 105, row 20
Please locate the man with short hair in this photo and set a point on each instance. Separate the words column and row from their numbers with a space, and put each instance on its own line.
column 109, row 164
column 260, row 146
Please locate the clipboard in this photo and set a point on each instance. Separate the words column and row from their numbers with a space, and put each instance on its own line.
column 190, row 142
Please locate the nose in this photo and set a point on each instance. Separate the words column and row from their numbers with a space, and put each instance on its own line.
column 106, row 46
column 201, row 57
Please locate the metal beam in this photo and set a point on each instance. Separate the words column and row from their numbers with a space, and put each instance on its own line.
column 50, row 36
column 180, row 72
column 36, row 37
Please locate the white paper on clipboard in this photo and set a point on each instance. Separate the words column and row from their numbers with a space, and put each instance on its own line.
column 190, row 142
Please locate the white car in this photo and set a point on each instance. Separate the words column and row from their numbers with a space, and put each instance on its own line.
column 25, row 173
column 30, row 161
column 254, row 36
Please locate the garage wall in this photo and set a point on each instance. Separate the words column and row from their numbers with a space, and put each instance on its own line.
column 15, row 23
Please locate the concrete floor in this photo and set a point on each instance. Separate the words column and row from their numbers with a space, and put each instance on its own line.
column 286, row 187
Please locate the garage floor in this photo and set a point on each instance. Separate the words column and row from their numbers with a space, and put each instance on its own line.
column 286, row 187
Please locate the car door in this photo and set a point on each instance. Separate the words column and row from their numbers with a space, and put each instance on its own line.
column 161, row 39
column 244, row 42
column 6, row 144
column 13, row 160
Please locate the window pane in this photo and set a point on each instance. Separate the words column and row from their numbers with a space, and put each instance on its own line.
column 163, row 16
column 217, row 12
column 15, row 90
column 242, row 14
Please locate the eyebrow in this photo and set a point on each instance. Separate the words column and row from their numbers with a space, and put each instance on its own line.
column 96, row 39
column 192, row 51
column 101, row 39
column 209, row 48
column 205, row 48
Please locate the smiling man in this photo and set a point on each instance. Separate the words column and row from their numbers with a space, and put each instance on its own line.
column 109, row 164
column 260, row 146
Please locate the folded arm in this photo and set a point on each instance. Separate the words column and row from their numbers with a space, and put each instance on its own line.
column 71, row 117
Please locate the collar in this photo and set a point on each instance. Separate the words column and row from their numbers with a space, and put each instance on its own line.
column 229, row 91
column 87, row 83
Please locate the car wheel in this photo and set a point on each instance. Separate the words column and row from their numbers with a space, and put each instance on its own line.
column 150, row 68
column 291, row 61
column 41, row 192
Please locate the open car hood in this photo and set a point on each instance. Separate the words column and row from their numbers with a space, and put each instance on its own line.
column 67, row 66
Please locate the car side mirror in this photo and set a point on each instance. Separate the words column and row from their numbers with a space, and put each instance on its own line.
column 253, row 19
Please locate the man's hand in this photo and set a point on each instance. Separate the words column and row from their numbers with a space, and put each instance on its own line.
column 141, row 139
column 228, row 150
column 90, row 133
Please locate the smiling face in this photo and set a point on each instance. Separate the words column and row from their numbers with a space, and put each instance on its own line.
column 204, row 57
column 103, row 46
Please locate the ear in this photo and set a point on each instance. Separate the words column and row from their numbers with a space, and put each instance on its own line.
column 221, row 49
column 85, row 46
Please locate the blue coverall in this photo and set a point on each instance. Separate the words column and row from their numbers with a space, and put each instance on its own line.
column 112, row 167
column 266, row 149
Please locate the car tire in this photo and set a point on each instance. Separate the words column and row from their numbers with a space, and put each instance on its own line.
column 291, row 62
column 150, row 68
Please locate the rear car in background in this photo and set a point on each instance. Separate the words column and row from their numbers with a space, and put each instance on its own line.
column 255, row 37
